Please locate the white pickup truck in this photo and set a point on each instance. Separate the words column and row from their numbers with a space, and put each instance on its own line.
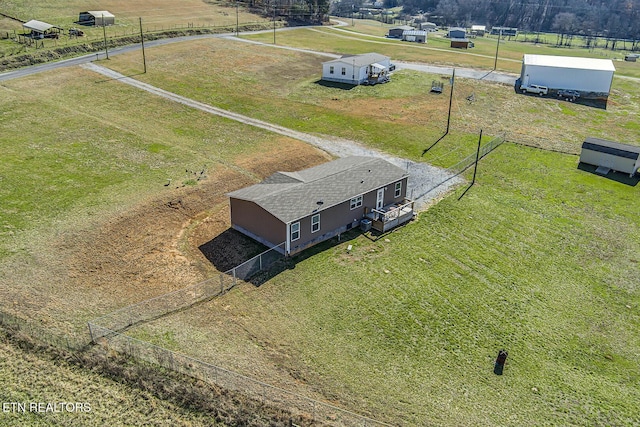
column 540, row 90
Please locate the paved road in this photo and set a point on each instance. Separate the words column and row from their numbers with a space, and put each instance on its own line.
column 460, row 72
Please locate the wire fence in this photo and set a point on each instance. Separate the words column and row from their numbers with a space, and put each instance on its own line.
column 52, row 337
column 436, row 181
column 106, row 331
column 299, row 406
column 182, row 298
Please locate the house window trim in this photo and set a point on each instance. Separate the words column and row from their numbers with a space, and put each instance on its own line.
column 356, row 202
column 344, row 71
column 315, row 224
column 331, row 69
column 398, row 189
column 296, row 231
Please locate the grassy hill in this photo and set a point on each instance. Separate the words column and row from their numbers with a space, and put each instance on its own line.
column 539, row 257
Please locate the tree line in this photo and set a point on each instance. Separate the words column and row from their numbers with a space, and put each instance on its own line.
column 596, row 18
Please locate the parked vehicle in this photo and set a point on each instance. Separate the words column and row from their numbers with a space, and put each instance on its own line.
column 540, row 90
column 568, row 95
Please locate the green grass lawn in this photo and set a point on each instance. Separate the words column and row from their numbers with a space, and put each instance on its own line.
column 539, row 258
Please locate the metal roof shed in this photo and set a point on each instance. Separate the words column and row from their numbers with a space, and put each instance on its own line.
column 590, row 76
column 97, row 18
column 609, row 155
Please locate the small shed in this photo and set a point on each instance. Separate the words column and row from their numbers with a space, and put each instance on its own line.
column 40, row 30
column 631, row 57
column 396, row 32
column 457, row 33
column 478, row 30
column 461, row 43
column 609, row 155
column 96, row 18
column 419, row 36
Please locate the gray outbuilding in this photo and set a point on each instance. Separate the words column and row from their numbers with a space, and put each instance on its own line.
column 457, row 33
column 97, row 18
column 396, row 32
column 609, row 155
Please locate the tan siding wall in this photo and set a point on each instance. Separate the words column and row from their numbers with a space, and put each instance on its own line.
column 253, row 218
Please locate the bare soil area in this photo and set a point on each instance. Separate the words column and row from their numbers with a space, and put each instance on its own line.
column 162, row 244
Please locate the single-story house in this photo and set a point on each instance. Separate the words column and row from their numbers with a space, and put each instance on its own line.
column 40, row 30
column 368, row 68
column 296, row 210
column 419, row 36
column 591, row 77
column 396, row 32
column 428, row 26
column 97, row 18
column 457, row 33
column 609, row 155
column 478, row 30
column 461, row 43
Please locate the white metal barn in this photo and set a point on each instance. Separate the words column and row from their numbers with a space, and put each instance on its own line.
column 589, row 76
column 98, row 18
column 357, row 69
column 609, row 155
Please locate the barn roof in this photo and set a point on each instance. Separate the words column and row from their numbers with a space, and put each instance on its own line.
column 290, row 196
column 569, row 62
column 360, row 60
column 37, row 26
column 611, row 147
column 403, row 27
column 414, row 33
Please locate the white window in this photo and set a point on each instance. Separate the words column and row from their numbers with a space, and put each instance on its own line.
column 315, row 223
column 398, row 189
column 295, row 231
column 356, row 202
column 344, row 71
column 331, row 69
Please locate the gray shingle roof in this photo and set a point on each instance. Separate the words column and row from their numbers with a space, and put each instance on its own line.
column 360, row 60
column 332, row 183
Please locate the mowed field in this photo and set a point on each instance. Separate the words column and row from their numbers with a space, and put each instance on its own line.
column 539, row 258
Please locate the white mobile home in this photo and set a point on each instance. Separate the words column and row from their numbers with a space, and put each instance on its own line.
column 368, row 68
column 589, row 76
column 609, row 155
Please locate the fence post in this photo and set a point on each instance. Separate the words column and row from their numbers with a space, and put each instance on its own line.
column 221, row 284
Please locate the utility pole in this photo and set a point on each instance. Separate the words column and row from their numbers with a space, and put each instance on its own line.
column 274, row 21
column 104, row 31
column 453, row 81
column 237, row 19
column 475, row 168
column 495, row 63
column 144, row 58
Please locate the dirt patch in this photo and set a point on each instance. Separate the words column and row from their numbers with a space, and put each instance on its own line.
column 154, row 248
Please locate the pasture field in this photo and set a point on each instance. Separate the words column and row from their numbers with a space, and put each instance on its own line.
column 100, row 207
column 283, row 87
column 539, row 258
column 158, row 15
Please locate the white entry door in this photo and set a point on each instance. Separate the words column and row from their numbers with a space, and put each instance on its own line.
column 380, row 199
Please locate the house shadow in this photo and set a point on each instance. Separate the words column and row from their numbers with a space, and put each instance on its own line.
column 335, row 85
column 232, row 248
column 620, row 177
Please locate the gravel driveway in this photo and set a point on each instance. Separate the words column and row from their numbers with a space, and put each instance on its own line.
column 426, row 182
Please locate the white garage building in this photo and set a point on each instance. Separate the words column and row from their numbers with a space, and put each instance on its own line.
column 368, row 68
column 589, row 76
